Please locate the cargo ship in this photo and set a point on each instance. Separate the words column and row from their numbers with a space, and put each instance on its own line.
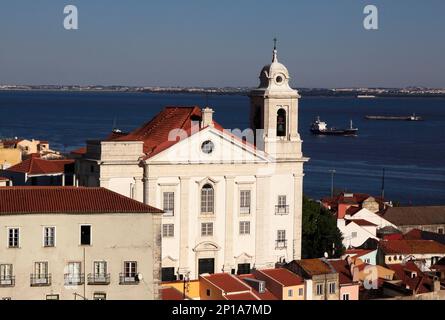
column 319, row 127
column 400, row 118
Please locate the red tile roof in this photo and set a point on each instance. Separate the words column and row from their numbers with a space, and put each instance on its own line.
column 170, row 293
column 344, row 271
column 362, row 223
column 37, row 166
column 68, row 200
column 266, row 295
column 411, row 247
column 241, row 296
column 155, row 133
column 404, row 272
column 283, row 276
column 357, row 252
column 226, row 282
column 314, row 267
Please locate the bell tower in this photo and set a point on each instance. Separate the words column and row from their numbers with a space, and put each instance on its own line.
column 274, row 109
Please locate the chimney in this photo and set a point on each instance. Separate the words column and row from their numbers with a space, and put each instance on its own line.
column 207, row 117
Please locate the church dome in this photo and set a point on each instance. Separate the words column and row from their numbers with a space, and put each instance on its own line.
column 274, row 73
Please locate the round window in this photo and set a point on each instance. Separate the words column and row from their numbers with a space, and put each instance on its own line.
column 207, row 147
column 279, row 79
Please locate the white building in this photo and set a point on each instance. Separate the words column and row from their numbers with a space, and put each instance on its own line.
column 230, row 204
column 75, row 243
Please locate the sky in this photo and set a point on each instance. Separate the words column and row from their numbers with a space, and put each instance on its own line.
column 222, row 43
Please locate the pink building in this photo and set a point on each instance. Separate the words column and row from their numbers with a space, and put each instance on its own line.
column 349, row 289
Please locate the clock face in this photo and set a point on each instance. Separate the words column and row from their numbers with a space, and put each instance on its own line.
column 207, row 147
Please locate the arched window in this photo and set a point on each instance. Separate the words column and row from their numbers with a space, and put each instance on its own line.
column 207, row 199
column 281, row 123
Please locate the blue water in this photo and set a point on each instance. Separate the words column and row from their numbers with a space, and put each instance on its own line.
column 413, row 153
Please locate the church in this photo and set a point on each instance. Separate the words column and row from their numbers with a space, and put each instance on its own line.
column 231, row 203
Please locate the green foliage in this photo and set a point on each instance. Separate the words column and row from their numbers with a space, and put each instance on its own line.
column 320, row 232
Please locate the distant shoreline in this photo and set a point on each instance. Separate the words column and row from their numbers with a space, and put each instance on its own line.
column 322, row 93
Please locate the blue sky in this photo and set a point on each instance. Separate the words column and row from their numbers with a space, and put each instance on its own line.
column 222, row 43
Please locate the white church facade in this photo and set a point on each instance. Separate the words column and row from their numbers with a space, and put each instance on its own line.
column 231, row 204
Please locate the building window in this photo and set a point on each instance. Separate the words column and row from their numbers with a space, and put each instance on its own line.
column 169, row 204
column 168, row 230
column 281, row 123
column 52, row 297
column 243, row 268
column 13, row 237
column 99, row 296
column 85, row 235
column 207, row 199
column 332, row 288
column 129, row 276
column 49, row 236
column 168, row 274
column 74, row 275
column 40, row 277
column 244, row 228
column 300, row 292
column 440, row 230
column 245, row 201
column 345, row 296
column 207, row 229
column 282, row 208
column 320, row 289
column 281, row 239
column 208, row 292
column 100, row 275
column 6, row 277
column 290, row 293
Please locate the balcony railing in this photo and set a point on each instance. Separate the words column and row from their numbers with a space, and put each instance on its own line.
column 74, row 279
column 98, row 279
column 40, row 280
column 281, row 244
column 7, row 281
column 129, row 279
column 244, row 210
column 282, row 209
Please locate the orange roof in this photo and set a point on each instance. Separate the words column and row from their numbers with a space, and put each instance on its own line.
column 170, row 293
column 314, row 267
column 362, row 223
column 266, row 295
column 226, row 282
column 344, row 271
column 283, row 276
column 37, row 166
column 68, row 200
column 357, row 252
column 411, row 246
column 241, row 296
column 155, row 133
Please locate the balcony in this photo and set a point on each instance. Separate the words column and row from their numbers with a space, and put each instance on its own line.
column 74, row 279
column 281, row 210
column 169, row 213
column 98, row 279
column 244, row 210
column 128, row 279
column 40, row 280
column 281, row 244
column 7, row 281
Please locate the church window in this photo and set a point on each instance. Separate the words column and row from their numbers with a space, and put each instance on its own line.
column 281, row 123
column 207, row 199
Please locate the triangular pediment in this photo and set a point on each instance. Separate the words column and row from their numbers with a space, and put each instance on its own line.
column 211, row 145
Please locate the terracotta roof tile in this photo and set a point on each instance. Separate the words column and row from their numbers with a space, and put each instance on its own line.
column 411, row 246
column 283, row 276
column 415, row 215
column 241, row 296
column 344, row 271
column 314, row 267
column 170, row 293
column 37, row 166
column 67, row 200
column 227, row 282
column 362, row 223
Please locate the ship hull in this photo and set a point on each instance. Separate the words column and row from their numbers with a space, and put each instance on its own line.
column 335, row 132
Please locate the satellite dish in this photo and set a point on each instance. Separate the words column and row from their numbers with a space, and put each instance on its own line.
column 326, row 255
column 140, row 277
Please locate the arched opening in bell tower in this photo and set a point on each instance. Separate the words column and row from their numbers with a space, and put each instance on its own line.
column 281, row 123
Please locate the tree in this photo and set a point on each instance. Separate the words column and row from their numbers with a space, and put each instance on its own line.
column 320, row 232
